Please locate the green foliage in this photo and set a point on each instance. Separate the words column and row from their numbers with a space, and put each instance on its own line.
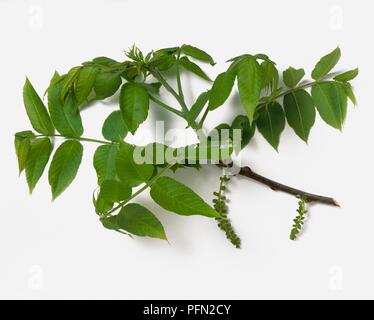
column 37, row 159
column 64, row 166
column 299, row 221
column 250, row 78
column 114, row 191
column 85, row 83
column 300, row 112
column 331, row 102
column 220, row 204
column 22, row 143
column 137, row 220
column 176, row 197
column 197, row 54
column 64, row 114
column 193, row 67
column 271, row 123
column 347, row 76
column 106, row 84
column 326, row 64
column 197, row 107
column 134, row 103
column 292, row 77
column 121, row 166
column 221, row 89
column 105, row 162
column 36, row 110
column 114, row 128
column 130, row 172
column 247, row 130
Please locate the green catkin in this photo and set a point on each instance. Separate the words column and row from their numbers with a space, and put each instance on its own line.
column 299, row 221
column 220, row 204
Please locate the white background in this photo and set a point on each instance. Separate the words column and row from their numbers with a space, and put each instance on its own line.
column 60, row 250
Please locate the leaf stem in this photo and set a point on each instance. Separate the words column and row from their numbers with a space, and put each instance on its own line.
column 169, row 88
column 270, row 99
column 165, row 106
column 203, row 118
column 75, row 138
column 179, row 82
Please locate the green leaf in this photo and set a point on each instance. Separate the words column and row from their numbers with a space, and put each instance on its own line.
column 249, row 75
column 64, row 166
column 130, row 172
column 347, row 76
column 64, row 115
column 300, row 112
column 139, row 221
column 176, row 197
column 330, row 99
column 85, row 83
column 114, row 128
column 114, row 191
column 110, row 223
column 271, row 122
column 68, row 81
column 105, row 162
column 37, row 159
column 102, row 205
column 326, row 64
column 36, row 110
column 22, row 143
column 241, row 122
column 221, row 89
column 351, row 95
column 152, row 88
column 193, row 67
column 106, row 84
column 197, row 107
column 134, row 103
column 270, row 75
column 197, row 54
column 105, row 61
column 292, row 77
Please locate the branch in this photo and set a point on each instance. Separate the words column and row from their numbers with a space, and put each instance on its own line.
column 276, row 186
